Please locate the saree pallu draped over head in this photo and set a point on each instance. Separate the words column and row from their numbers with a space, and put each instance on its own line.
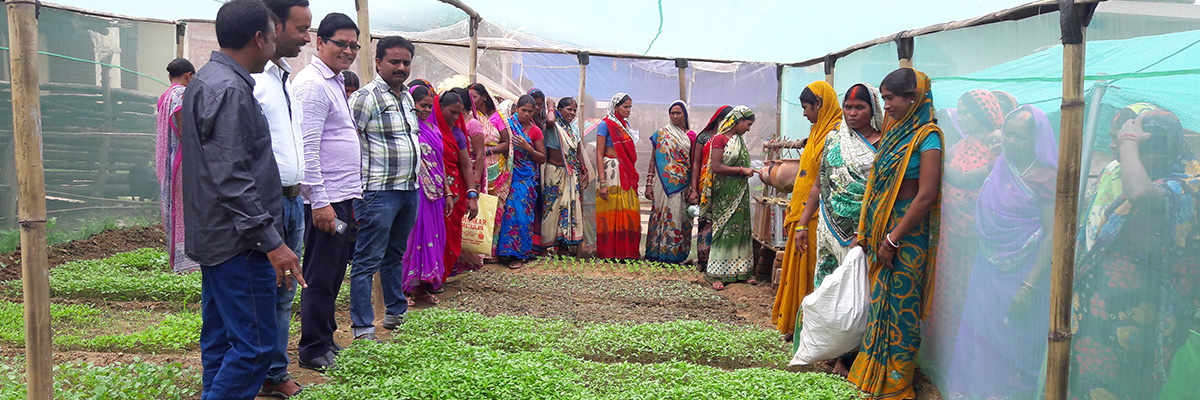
column 425, row 259
column 456, row 185
column 796, row 278
column 886, row 364
column 669, row 236
column 673, row 154
column 727, row 203
column 618, row 130
column 563, row 222
column 618, row 218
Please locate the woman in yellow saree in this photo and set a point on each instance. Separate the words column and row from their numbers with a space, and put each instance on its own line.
column 823, row 110
column 898, row 230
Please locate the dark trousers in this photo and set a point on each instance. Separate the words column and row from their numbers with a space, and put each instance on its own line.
column 325, row 260
column 237, row 304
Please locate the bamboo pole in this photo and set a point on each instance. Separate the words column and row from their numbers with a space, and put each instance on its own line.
column 31, row 204
column 904, row 49
column 366, row 68
column 180, row 39
column 581, row 115
column 682, row 65
column 366, row 56
column 830, row 64
column 474, row 31
column 1062, row 273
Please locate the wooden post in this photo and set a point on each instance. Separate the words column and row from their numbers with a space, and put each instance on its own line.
column 830, row 63
column 474, row 31
column 682, row 65
column 904, row 49
column 180, row 39
column 366, row 56
column 31, row 192
column 584, row 60
column 1062, row 271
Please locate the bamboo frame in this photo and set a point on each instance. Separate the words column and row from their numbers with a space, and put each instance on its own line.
column 31, row 204
column 1075, row 18
column 366, row 57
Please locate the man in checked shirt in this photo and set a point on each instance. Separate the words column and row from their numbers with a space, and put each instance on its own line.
column 387, row 130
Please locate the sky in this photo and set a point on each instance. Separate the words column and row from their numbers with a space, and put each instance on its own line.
column 748, row 30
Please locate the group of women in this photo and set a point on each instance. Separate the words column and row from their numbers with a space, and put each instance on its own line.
column 871, row 176
column 533, row 161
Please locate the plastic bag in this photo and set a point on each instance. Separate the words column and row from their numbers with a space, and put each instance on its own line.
column 835, row 314
column 477, row 233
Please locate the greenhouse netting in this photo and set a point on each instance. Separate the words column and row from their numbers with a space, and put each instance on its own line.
column 997, row 90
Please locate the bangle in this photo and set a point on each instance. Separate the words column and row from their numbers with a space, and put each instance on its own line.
column 801, row 228
column 1026, row 285
column 888, row 237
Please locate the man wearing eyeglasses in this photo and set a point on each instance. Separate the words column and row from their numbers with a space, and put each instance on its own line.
column 332, row 181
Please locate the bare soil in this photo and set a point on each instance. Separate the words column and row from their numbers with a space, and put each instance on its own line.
column 100, row 245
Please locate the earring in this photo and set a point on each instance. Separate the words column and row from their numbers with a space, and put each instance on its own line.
column 912, row 102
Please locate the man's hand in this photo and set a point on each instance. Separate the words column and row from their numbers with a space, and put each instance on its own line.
column 287, row 266
column 323, row 219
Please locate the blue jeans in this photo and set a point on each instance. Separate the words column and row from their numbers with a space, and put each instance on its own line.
column 293, row 236
column 237, row 305
column 385, row 218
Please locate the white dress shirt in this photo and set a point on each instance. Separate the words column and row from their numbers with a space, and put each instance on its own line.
column 274, row 93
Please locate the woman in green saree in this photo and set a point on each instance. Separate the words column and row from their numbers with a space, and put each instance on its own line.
column 726, row 200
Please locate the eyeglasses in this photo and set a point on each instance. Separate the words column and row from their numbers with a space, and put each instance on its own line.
column 343, row 44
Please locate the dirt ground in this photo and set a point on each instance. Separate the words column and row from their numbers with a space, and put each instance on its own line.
column 540, row 291
column 100, row 245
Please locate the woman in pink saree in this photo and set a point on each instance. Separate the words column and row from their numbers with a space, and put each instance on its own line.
column 167, row 160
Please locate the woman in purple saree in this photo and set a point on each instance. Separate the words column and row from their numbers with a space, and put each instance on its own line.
column 1001, row 340
column 424, row 262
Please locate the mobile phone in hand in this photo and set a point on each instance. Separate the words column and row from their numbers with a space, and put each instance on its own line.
column 339, row 226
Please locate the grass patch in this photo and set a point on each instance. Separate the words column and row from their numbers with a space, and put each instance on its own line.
column 440, row 368
column 697, row 342
column 84, row 327
column 137, row 380
column 139, row 275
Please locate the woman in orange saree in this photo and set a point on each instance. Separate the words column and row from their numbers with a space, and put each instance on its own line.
column 822, row 108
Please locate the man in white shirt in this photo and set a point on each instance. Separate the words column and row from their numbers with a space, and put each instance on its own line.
column 273, row 92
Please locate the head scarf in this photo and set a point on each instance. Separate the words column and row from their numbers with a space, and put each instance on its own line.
column 421, row 82
column 455, row 186
column 984, row 106
column 1008, row 102
column 506, row 108
column 1009, row 213
column 829, row 119
column 736, row 115
column 900, row 143
column 432, row 174
column 618, row 131
column 682, row 105
column 877, row 113
column 711, row 127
